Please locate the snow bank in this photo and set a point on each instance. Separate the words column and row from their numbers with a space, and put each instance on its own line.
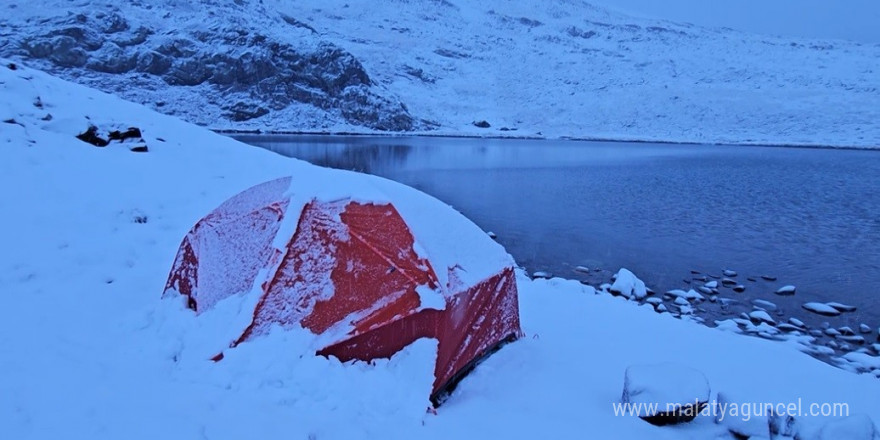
column 89, row 350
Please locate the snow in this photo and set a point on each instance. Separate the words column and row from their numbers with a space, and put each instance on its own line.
column 90, row 350
column 662, row 385
column 786, row 290
column 628, row 285
column 856, row 427
column 560, row 69
column 821, row 308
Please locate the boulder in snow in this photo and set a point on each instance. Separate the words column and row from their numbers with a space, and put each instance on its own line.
column 665, row 394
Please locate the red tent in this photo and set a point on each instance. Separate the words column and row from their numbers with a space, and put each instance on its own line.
column 352, row 271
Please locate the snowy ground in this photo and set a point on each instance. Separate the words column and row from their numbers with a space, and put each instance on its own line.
column 90, row 351
column 554, row 69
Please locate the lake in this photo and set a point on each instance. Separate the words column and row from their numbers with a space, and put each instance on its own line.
column 810, row 217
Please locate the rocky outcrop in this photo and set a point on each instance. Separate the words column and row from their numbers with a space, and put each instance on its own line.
column 234, row 67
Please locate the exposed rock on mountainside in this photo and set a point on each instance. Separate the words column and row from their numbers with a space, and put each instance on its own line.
column 231, row 65
column 561, row 68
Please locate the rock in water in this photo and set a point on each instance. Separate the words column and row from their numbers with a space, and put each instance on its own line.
column 628, row 285
column 680, row 301
column 761, row 316
column 712, row 284
column 729, row 273
column 789, row 327
column 842, row 307
column 863, row 328
column 846, row 331
column 854, row 427
column 739, row 288
column 833, row 332
column 821, row 308
column 492, row 235
column 665, row 394
column 705, row 290
column 797, row 322
column 786, row 290
column 852, row 339
column 768, row 278
column 582, row 269
column 767, row 305
column 728, row 281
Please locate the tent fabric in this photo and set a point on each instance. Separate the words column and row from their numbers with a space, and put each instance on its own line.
column 351, row 272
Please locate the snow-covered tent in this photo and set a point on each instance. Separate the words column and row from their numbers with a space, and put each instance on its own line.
column 368, row 266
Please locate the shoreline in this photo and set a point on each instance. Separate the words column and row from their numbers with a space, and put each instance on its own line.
column 538, row 137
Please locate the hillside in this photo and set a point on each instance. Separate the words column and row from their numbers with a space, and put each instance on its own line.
column 556, row 69
column 90, row 350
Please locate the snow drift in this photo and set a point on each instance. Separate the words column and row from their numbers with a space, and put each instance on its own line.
column 89, row 351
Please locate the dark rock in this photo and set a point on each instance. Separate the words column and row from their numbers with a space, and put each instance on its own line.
column 580, row 33
column 153, row 62
column 64, row 51
column 451, row 54
column 420, row 74
column 481, row 124
column 728, row 281
column 130, row 133
column 752, row 279
column 91, row 136
column 768, row 277
column 113, row 59
column 114, row 23
column 739, row 288
column 296, row 23
column 529, row 22
column 138, row 37
column 139, row 149
column 243, row 111
column 188, row 73
column 12, row 66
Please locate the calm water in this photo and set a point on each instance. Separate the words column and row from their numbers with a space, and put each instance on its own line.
column 810, row 217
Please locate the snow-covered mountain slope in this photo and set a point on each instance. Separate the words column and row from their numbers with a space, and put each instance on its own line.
column 89, row 350
column 560, row 68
